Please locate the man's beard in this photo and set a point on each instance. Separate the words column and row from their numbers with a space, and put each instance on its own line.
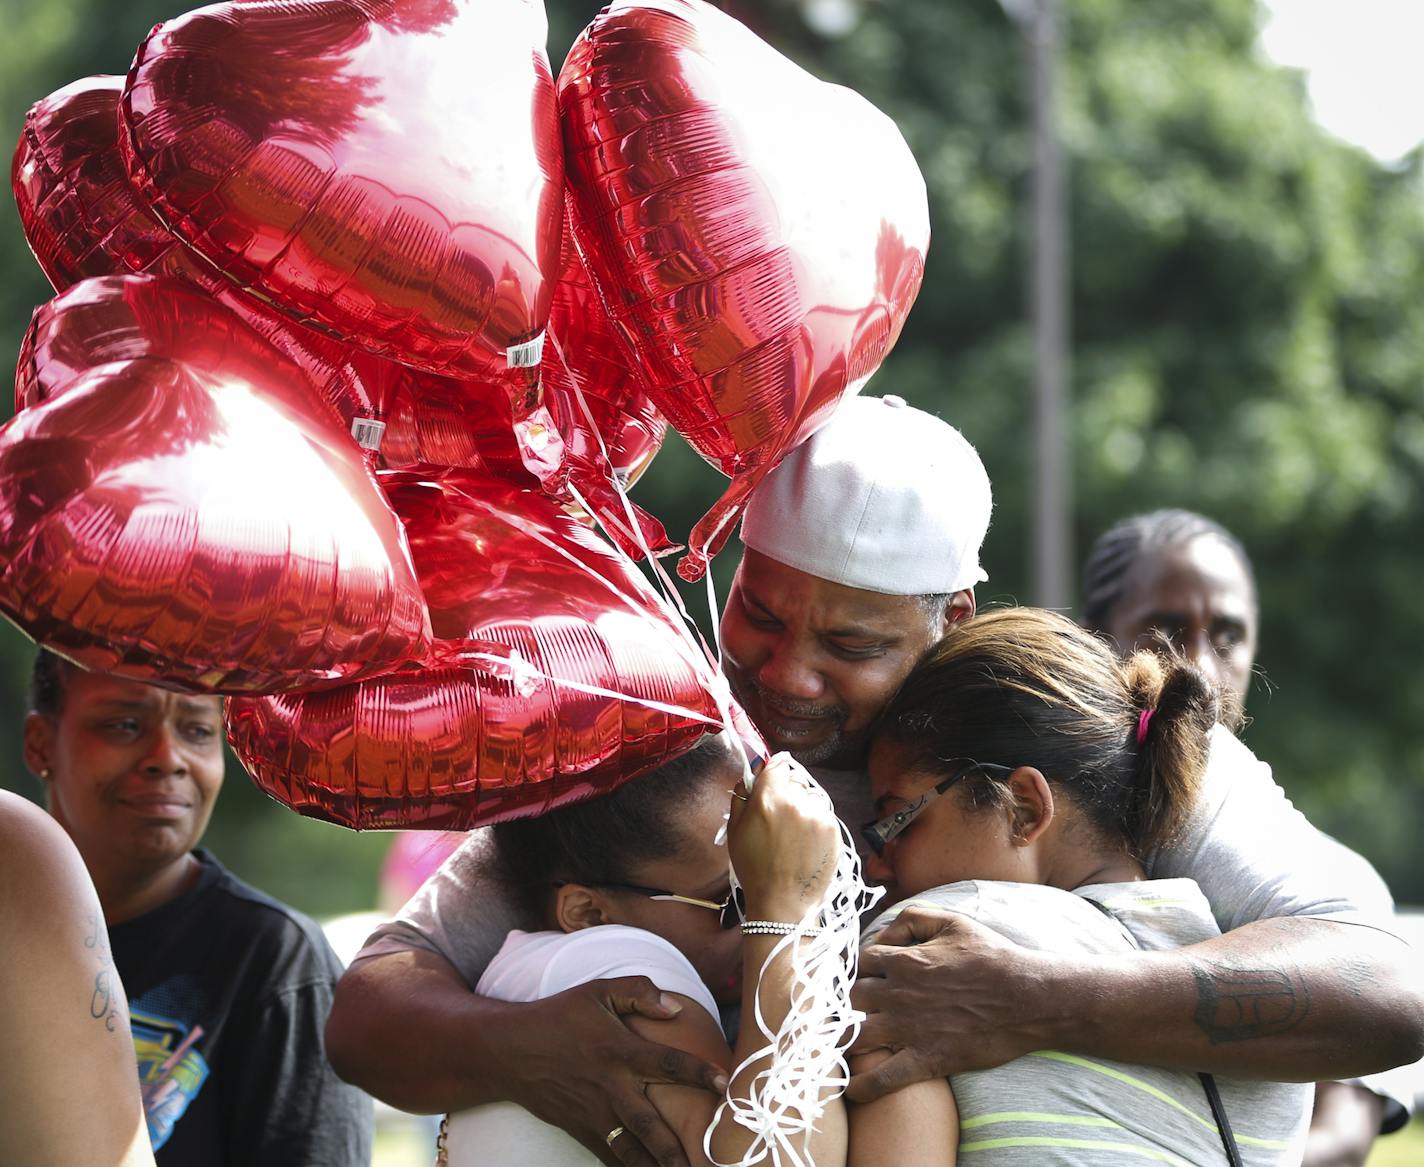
column 839, row 750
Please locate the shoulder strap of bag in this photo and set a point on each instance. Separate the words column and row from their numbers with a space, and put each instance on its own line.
column 1213, row 1095
column 1223, row 1124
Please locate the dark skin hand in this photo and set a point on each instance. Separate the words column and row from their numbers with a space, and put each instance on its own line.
column 569, row 1059
column 1283, row 999
column 932, row 1032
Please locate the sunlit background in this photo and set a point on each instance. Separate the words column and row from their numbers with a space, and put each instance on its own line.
column 1244, row 217
column 1361, row 61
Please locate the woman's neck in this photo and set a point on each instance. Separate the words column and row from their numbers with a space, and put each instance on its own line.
column 137, row 895
column 1076, row 852
column 1119, row 868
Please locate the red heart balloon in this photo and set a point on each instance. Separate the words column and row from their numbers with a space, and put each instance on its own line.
column 389, row 170
column 610, row 428
column 177, row 506
column 79, row 213
column 625, row 428
column 84, row 218
column 433, row 423
column 556, row 675
column 757, row 235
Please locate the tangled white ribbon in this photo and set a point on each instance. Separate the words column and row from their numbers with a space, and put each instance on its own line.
column 808, row 1065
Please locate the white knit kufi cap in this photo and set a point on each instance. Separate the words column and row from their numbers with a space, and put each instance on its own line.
column 883, row 497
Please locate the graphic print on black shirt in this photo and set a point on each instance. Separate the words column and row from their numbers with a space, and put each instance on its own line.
column 228, row 991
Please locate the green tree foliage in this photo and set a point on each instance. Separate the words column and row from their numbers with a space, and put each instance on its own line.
column 1247, row 342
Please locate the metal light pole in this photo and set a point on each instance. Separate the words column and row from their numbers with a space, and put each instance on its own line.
column 1051, row 549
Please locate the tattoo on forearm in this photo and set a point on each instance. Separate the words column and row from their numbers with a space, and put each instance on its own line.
column 105, row 1003
column 1238, row 1004
column 814, row 878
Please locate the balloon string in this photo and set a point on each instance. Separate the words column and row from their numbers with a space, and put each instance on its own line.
column 522, row 673
column 666, row 586
column 807, row 1065
column 716, row 682
column 671, row 598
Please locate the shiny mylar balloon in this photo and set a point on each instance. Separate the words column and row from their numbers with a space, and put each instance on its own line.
column 757, row 235
column 610, row 428
column 83, row 217
column 78, row 211
column 177, row 505
column 584, row 352
column 432, row 422
column 389, row 170
column 555, row 675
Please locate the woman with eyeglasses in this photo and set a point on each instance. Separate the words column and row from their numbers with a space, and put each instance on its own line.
column 637, row 883
column 1023, row 773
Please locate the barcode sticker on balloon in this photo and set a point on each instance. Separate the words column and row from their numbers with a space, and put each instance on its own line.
column 526, row 355
column 368, row 432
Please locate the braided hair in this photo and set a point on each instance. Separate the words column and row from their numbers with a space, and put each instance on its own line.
column 1123, row 546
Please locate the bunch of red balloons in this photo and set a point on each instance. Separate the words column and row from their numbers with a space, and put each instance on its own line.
column 361, row 315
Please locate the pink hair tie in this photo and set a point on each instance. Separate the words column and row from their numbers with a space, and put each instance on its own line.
column 1144, row 719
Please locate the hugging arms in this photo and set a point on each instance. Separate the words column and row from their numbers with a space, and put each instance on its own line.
column 1301, row 972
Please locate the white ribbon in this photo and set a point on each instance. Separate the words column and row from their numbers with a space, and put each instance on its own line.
column 808, row 1066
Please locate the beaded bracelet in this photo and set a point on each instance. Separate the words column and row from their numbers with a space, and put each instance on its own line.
column 776, row 928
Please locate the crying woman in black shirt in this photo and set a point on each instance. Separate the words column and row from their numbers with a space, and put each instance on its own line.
column 228, row 989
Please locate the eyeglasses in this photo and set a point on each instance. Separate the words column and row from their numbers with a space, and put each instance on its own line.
column 729, row 910
column 882, row 831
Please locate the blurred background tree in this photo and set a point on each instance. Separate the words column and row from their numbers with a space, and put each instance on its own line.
column 1247, row 342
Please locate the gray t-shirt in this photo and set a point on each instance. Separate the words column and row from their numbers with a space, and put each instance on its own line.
column 1253, row 855
column 1051, row 1107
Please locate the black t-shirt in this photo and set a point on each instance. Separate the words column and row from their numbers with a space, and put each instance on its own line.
column 229, row 991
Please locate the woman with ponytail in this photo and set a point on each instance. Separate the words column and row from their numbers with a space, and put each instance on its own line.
column 1023, row 774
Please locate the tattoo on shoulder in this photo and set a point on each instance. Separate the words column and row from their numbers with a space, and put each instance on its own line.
column 1238, row 1004
column 106, row 1002
column 96, row 936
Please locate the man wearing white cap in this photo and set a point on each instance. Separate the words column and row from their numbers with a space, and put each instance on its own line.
column 862, row 551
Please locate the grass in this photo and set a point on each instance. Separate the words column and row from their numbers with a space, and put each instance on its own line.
column 402, row 1144
column 1404, row 1148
